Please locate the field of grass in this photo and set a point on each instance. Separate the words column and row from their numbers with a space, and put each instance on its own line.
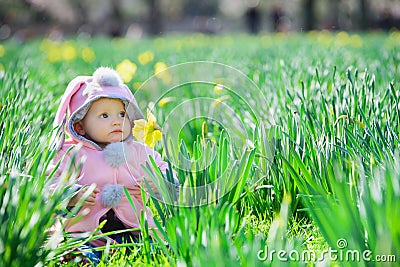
column 286, row 147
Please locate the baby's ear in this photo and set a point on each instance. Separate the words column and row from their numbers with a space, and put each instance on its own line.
column 79, row 128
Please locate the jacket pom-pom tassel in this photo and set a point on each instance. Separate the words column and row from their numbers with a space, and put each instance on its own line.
column 115, row 155
column 111, row 195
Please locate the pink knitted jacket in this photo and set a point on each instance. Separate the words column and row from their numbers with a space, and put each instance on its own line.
column 119, row 164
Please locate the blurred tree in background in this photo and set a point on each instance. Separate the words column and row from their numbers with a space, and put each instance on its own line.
column 309, row 14
column 23, row 19
column 364, row 15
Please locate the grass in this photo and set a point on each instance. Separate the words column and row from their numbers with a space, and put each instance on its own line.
column 300, row 154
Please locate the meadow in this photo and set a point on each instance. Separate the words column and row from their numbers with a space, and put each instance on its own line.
column 286, row 147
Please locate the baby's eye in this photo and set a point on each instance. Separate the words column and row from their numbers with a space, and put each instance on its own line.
column 122, row 114
column 104, row 116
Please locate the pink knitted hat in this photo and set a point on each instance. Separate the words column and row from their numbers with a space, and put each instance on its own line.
column 83, row 90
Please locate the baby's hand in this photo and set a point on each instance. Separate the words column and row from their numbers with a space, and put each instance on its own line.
column 141, row 182
column 136, row 192
column 89, row 201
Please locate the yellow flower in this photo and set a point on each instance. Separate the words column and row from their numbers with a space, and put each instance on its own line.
column 137, row 85
column 146, row 57
column 51, row 49
column 127, row 70
column 360, row 123
column 59, row 51
column 342, row 38
column 2, row 50
column 147, row 131
column 218, row 88
column 165, row 101
column 356, row 41
column 159, row 68
column 161, row 72
column 88, row 54
column 53, row 55
column 219, row 100
column 68, row 51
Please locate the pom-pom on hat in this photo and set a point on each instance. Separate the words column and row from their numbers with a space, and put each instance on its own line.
column 83, row 90
column 107, row 77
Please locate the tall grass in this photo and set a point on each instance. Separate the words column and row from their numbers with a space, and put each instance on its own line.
column 323, row 155
column 27, row 210
column 350, row 182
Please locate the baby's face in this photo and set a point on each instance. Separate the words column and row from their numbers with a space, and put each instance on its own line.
column 106, row 122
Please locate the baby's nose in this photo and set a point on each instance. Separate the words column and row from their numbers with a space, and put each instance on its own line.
column 117, row 121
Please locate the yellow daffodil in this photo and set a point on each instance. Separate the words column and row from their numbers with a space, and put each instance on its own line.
column 218, row 88
column 68, row 51
column 52, row 50
column 145, row 57
column 147, row 131
column 159, row 68
column 165, row 101
column 360, row 123
column 161, row 72
column 219, row 100
column 137, row 85
column 2, row 50
column 342, row 38
column 53, row 55
column 88, row 54
column 127, row 70
column 356, row 41
column 59, row 51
